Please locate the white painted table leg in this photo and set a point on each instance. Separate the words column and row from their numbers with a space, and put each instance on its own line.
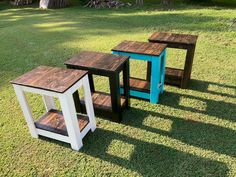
column 88, row 103
column 49, row 102
column 26, row 110
column 69, row 113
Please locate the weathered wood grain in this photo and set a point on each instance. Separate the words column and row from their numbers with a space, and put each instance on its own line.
column 140, row 48
column 53, row 121
column 97, row 61
column 173, row 38
column 102, row 100
column 140, row 85
column 180, row 41
column 50, row 78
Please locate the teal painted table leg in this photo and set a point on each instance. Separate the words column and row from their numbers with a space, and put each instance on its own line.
column 155, row 80
column 157, row 75
column 163, row 70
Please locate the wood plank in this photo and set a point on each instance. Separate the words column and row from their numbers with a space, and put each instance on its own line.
column 53, row 121
column 174, row 76
column 185, row 39
column 144, row 48
column 140, row 85
column 180, row 41
column 97, row 61
column 50, row 78
column 174, row 73
column 102, row 101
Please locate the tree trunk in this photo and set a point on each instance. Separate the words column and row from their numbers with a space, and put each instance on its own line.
column 139, row 2
column 166, row 2
column 21, row 2
column 107, row 4
column 51, row 4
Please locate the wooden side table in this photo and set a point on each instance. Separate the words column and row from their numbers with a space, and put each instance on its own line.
column 153, row 53
column 187, row 42
column 52, row 82
column 110, row 66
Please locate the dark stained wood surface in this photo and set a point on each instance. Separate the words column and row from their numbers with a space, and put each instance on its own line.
column 50, row 78
column 102, row 101
column 173, row 38
column 174, row 73
column 174, row 76
column 53, row 121
column 179, row 41
column 97, row 61
column 140, row 85
column 145, row 48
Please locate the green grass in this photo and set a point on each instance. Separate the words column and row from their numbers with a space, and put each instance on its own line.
column 189, row 133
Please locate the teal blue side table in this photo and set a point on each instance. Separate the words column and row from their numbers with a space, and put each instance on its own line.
column 154, row 53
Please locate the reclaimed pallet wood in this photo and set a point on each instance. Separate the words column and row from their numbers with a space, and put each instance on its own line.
column 50, row 78
column 140, row 48
column 179, row 41
column 54, row 121
column 138, row 84
column 108, row 65
column 94, row 61
column 151, row 52
column 102, row 100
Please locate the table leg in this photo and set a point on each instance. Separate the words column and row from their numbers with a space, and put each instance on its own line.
column 78, row 105
column 188, row 66
column 149, row 67
column 26, row 110
column 91, row 83
column 89, row 103
column 72, row 126
column 126, row 76
column 49, row 102
column 115, row 96
column 155, row 80
column 163, row 66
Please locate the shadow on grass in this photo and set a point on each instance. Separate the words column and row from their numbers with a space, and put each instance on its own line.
column 206, row 136
column 203, row 86
column 4, row 5
column 219, row 109
column 62, row 26
column 152, row 159
column 149, row 159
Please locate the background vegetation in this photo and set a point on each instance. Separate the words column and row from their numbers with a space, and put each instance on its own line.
column 189, row 133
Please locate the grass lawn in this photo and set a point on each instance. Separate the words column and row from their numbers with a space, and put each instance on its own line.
column 189, row 133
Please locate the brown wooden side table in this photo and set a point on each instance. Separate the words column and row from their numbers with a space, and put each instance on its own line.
column 175, row 76
column 110, row 66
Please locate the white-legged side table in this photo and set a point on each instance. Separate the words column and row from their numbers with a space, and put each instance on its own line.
column 66, row 126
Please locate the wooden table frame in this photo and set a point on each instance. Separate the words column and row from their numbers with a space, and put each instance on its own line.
column 157, row 75
column 153, row 53
column 176, row 76
column 114, row 84
column 75, row 135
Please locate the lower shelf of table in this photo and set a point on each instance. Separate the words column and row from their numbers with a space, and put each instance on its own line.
column 102, row 101
column 139, row 85
column 53, row 121
column 174, row 76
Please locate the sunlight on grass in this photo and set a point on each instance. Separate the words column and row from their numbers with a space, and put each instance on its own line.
column 158, row 123
column 185, row 147
column 191, row 132
column 14, row 18
column 193, row 103
column 120, row 149
column 222, row 90
column 57, row 26
column 176, row 58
